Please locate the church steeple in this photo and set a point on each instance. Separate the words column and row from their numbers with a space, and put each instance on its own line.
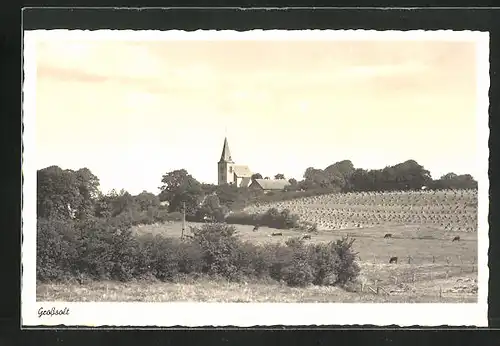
column 226, row 153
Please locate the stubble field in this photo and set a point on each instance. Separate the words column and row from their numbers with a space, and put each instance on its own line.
column 431, row 267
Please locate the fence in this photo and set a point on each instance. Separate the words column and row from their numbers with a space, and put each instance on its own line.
column 405, row 277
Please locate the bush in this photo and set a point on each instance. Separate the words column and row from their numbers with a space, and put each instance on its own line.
column 346, row 267
column 323, row 259
column 299, row 273
column 56, row 249
column 219, row 247
column 164, row 264
column 190, row 258
column 107, row 249
column 241, row 218
column 278, row 257
column 271, row 218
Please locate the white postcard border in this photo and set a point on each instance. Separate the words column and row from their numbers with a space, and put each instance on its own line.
column 248, row 314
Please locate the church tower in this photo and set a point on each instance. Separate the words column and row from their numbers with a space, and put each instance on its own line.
column 225, row 172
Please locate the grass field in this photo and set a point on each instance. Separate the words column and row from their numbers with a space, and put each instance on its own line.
column 430, row 268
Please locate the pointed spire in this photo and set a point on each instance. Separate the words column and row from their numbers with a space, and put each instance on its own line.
column 226, row 154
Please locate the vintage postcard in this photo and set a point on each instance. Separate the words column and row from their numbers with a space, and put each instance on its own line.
column 259, row 178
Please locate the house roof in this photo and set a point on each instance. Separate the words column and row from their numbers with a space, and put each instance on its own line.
column 226, row 153
column 245, row 182
column 242, row 171
column 272, row 184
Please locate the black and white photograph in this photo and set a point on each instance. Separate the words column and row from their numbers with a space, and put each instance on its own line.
column 255, row 178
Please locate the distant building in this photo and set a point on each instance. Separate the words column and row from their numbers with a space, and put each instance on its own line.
column 230, row 173
column 270, row 184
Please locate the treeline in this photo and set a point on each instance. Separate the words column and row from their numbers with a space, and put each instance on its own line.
column 409, row 175
column 76, row 194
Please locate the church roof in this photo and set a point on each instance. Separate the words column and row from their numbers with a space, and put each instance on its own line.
column 242, row 171
column 272, row 184
column 226, row 153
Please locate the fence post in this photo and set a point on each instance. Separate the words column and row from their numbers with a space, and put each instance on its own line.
column 433, row 259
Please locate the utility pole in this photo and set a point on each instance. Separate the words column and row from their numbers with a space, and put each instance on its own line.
column 183, row 219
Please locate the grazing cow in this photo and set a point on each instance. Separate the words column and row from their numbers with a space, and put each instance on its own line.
column 256, row 228
column 306, row 236
column 457, row 238
column 393, row 260
column 276, row 234
column 388, row 235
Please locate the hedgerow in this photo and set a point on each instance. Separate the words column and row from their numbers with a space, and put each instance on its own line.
column 106, row 249
column 271, row 218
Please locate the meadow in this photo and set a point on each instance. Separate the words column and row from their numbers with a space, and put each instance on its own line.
column 431, row 267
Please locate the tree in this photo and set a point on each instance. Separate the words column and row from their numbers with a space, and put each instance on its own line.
column 180, row 187
column 411, row 176
column 256, row 176
column 454, row 181
column 212, row 208
column 279, row 176
column 121, row 202
column 146, row 200
column 66, row 194
column 340, row 174
column 88, row 186
column 316, row 178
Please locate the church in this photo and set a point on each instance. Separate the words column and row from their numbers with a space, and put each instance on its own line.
column 230, row 173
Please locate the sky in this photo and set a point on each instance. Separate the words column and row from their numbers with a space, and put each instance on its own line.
column 131, row 111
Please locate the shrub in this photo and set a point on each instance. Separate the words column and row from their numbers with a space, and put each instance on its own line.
column 241, row 218
column 278, row 257
column 346, row 267
column 56, row 249
column 164, row 216
column 299, row 273
column 271, row 218
column 219, row 247
column 164, row 263
column 323, row 259
column 251, row 261
column 106, row 249
column 190, row 258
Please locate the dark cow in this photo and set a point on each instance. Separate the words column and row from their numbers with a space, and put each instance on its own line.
column 256, row 228
column 276, row 234
column 457, row 238
column 393, row 260
column 388, row 235
column 306, row 236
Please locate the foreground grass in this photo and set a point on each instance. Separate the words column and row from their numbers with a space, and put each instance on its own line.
column 399, row 284
column 225, row 292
